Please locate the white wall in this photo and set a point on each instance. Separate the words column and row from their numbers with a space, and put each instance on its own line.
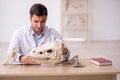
column 15, row 13
column 105, row 19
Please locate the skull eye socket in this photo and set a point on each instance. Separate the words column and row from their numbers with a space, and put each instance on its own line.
column 33, row 51
column 49, row 51
column 39, row 52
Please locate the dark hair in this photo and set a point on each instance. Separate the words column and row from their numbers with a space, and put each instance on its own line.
column 38, row 9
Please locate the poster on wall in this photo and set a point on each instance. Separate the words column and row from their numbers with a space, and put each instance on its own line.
column 75, row 19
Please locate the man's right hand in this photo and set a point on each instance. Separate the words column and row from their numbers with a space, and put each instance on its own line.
column 27, row 60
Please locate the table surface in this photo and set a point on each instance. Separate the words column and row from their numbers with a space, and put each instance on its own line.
column 59, row 69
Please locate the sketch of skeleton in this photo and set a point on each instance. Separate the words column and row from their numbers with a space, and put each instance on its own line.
column 75, row 6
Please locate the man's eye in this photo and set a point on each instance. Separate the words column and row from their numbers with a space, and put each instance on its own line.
column 36, row 21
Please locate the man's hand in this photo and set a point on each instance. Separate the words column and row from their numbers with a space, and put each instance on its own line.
column 27, row 60
column 64, row 49
column 65, row 52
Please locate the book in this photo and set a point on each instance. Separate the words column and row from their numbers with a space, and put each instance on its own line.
column 101, row 61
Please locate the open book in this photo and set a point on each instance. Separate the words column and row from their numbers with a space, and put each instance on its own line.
column 101, row 61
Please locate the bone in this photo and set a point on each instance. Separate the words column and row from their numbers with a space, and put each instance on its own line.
column 11, row 56
column 49, row 52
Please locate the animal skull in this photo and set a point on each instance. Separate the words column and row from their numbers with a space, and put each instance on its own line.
column 49, row 52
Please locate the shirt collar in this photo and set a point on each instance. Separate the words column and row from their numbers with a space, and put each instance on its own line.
column 33, row 33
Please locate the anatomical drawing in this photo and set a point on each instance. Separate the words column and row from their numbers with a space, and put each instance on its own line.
column 75, row 21
column 76, row 6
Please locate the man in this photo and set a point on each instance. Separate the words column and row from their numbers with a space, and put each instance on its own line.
column 28, row 37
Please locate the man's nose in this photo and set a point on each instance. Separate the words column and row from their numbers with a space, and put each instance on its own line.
column 39, row 24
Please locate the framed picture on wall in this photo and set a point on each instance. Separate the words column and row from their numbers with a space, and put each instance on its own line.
column 75, row 19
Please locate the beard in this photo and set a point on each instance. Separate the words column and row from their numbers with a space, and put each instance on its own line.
column 38, row 31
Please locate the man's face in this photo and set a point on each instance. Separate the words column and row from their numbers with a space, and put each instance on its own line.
column 38, row 23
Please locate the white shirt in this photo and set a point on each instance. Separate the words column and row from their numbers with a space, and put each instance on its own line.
column 25, row 40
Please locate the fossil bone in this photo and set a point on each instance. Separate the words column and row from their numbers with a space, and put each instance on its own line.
column 75, row 61
column 49, row 52
column 11, row 56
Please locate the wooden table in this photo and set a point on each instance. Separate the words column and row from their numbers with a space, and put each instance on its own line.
column 58, row 72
